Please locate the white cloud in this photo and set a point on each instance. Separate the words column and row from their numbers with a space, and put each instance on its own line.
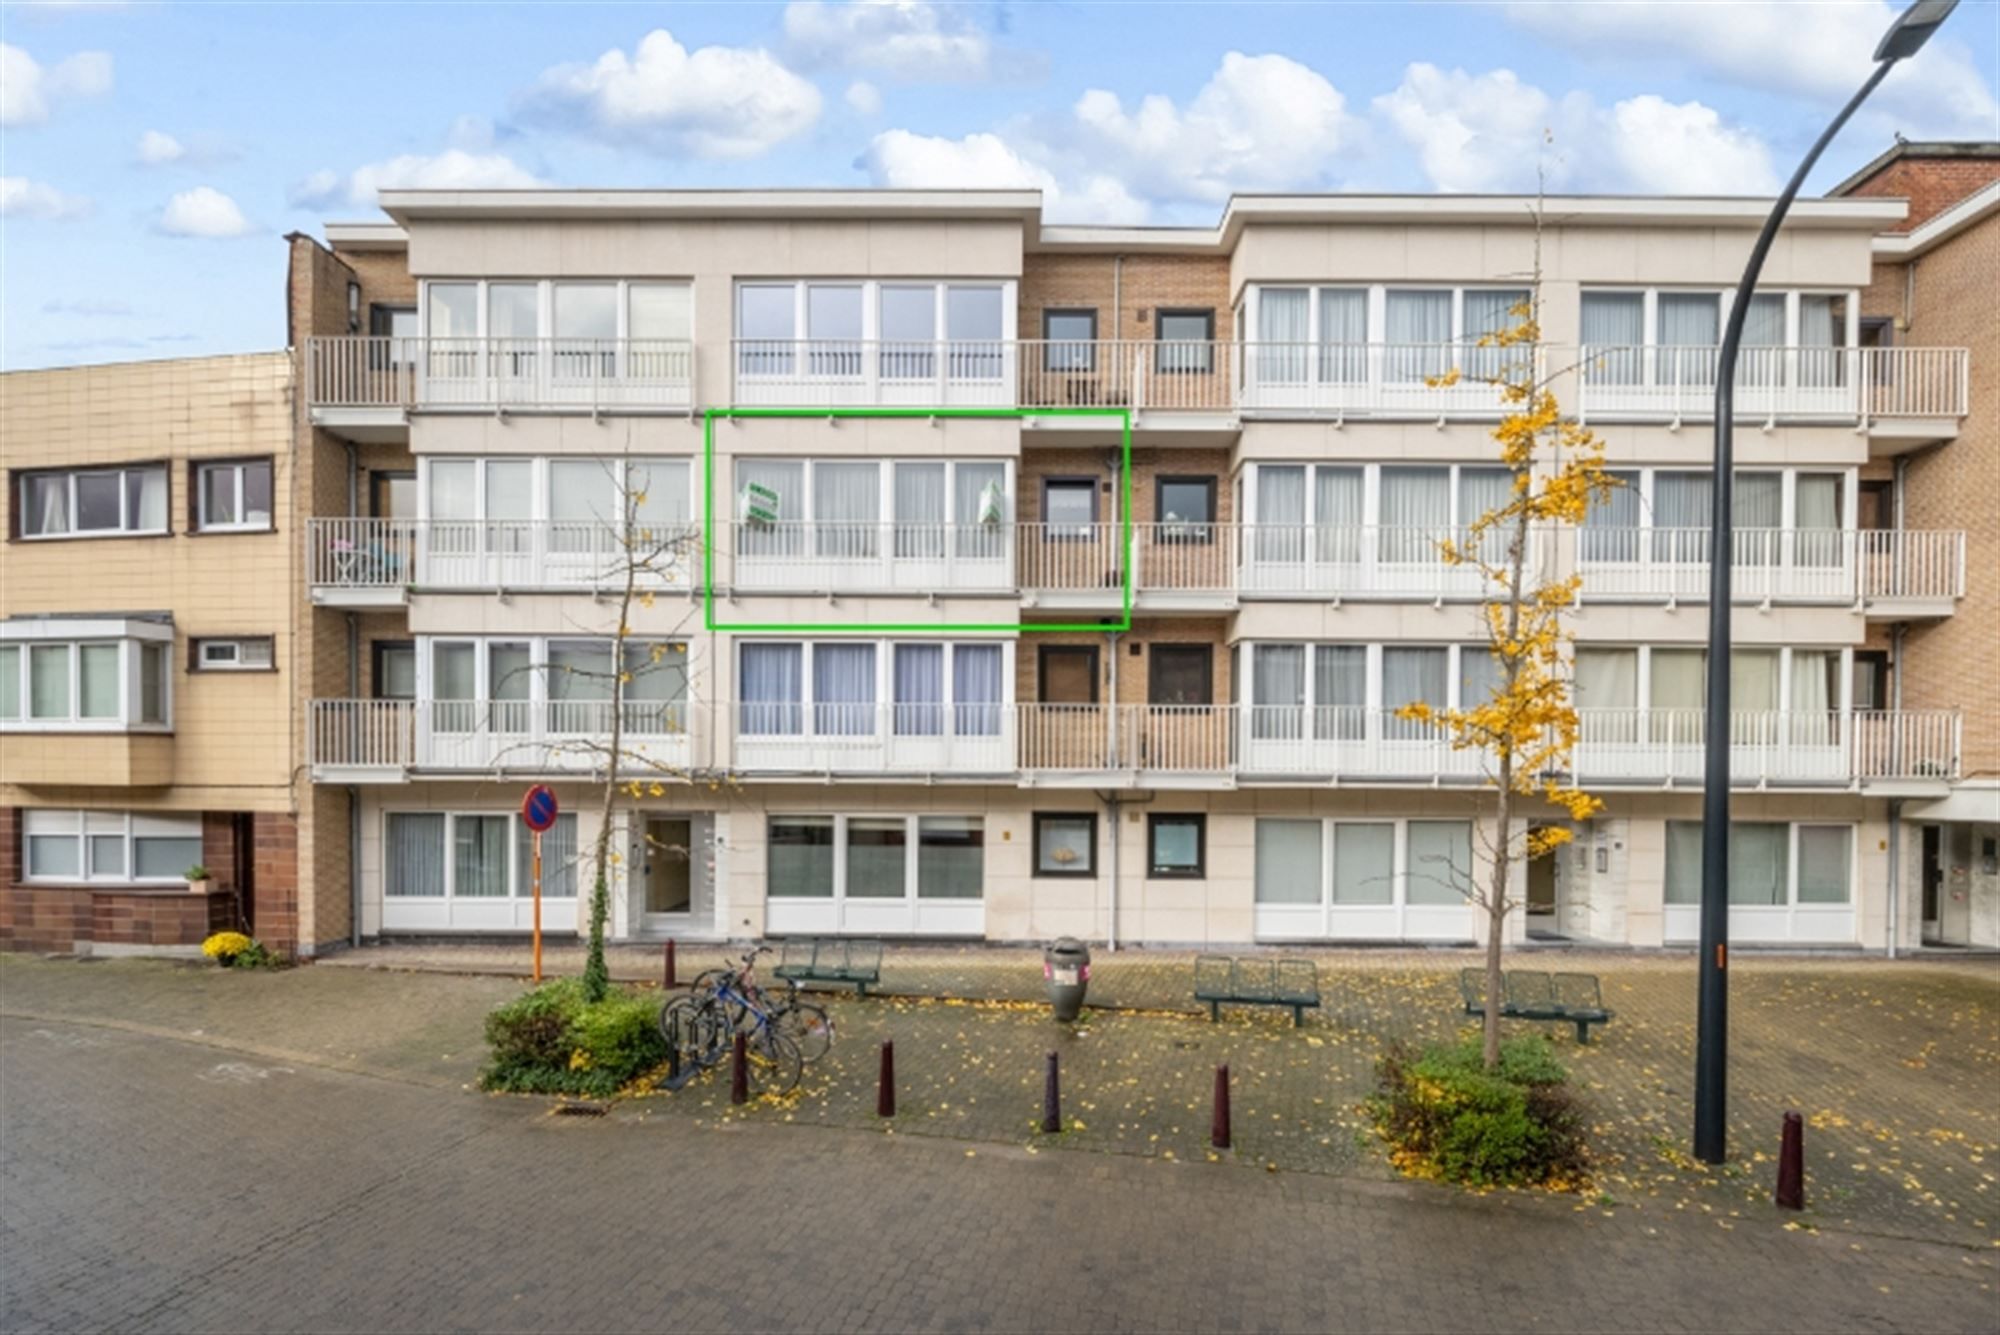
column 903, row 39
column 864, row 98
column 89, row 308
column 1490, row 132
column 1260, row 123
column 203, row 212
column 321, row 189
column 453, row 169
column 23, row 198
column 902, row 160
column 29, row 92
column 1823, row 52
column 713, row 102
column 157, row 148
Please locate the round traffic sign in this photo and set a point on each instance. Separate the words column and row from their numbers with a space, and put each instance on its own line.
column 538, row 808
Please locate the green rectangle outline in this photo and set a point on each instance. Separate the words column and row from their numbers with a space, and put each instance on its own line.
column 1124, row 416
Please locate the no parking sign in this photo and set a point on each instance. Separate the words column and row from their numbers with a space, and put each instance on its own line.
column 538, row 813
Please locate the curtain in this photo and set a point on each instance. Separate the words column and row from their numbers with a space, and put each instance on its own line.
column 1277, row 690
column 1340, row 691
column 1416, row 512
column 656, row 687
column 1440, row 861
column 581, row 492
column 1679, row 684
column 877, row 857
column 1817, row 519
column 479, row 857
column 1282, row 332
column 454, row 695
column 1815, row 685
column 558, row 860
column 1343, row 335
column 1759, row 864
column 979, row 538
column 97, row 680
column 1479, row 675
column 770, row 689
column 1753, row 695
column 660, row 496
column 146, row 499
column 48, row 681
column 1607, row 678
column 786, row 477
column 1823, row 864
column 918, row 671
column 951, row 857
column 920, row 510
column 843, row 689
column 48, row 504
column 1687, row 324
column 1364, row 862
column 799, row 857
column 1281, row 512
column 454, row 489
column 1762, row 362
column 1288, row 862
column 1611, row 525
column 1337, row 513
column 1418, row 334
column 976, row 689
column 414, row 853
column 509, row 683
column 1683, row 862
column 1822, row 340
column 580, row 682
column 1614, row 334
column 1481, row 491
column 847, row 504
column 1756, row 509
column 1489, row 312
column 1408, row 676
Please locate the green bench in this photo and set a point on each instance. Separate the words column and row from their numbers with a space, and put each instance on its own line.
column 833, row 961
column 1227, row 980
column 1569, row 998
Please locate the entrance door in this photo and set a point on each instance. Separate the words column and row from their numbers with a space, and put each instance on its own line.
column 670, row 886
column 1933, row 861
column 1954, row 926
column 1542, row 893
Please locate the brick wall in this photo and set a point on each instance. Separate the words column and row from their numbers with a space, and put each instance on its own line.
column 67, row 918
column 1143, row 284
column 1931, row 184
column 1132, row 667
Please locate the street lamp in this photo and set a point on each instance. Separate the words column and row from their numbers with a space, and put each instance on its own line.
column 1906, row 36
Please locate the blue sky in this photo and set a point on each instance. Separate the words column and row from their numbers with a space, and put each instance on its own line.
column 152, row 156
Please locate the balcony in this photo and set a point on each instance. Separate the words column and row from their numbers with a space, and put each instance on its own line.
column 949, row 739
column 385, row 741
column 1666, row 747
column 1911, row 573
column 1842, row 385
column 377, row 562
column 907, row 558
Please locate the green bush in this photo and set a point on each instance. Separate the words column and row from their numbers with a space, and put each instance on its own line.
column 1446, row 1116
column 553, row 1041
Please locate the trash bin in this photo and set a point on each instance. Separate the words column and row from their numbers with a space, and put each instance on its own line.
column 1066, row 966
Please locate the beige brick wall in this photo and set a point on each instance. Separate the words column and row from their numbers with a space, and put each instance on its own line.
column 1131, row 666
column 1125, row 294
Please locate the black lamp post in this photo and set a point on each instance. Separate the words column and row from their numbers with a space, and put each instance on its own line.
column 1912, row 28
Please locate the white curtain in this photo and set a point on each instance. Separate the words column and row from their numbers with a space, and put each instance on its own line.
column 1487, row 312
column 976, row 539
column 1288, row 862
column 786, row 477
column 414, row 854
column 510, row 488
column 1480, row 491
column 1815, row 686
column 1364, row 862
column 847, row 505
column 1343, row 335
column 510, row 683
column 1688, row 325
column 558, row 860
column 918, row 670
column 1607, row 678
column 454, row 697
column 1759, row 863
column 1277, row 690
column 1409, row 676
column 843, row 678
column 1679, row 684
column 1822, row 340
column 1614, row 332
column 146, row 498
column 1479, row 675
column 771, row 687
column 1415, row 514
column 920, row 507
column 1340, row 691
column 1817, row 519
column 1440, row 861
column 976, row 689
column 1281, row 512
column 1282, row 331
column 1683, row 862
column 479, row 857
column 1823, row 863
column 1762, row 360
column 1337, row 512
column 660, row 495
column 1753, row 696
column 1756, row 508
column 48, row 504
column 1418, row 334
column 1611, row 525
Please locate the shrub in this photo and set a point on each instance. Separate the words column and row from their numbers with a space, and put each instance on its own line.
column 1446, row 1116
column 553, row 1041
column 233, row 950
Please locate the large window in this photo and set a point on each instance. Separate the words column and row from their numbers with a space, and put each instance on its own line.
column 234, row 496
column 1354, row 864
column 93, row 503
column 799, row 861
column 1771, row 864
column 841, row 510
column 475, row 855
column 871, row 857
column 823, row 330
column 109, row 685
column 112, row 847
column 836, row 688
column 554, row 686
column 1065, row 844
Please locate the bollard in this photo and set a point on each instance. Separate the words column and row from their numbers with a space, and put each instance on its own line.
column 1791, row 1193
column 670, row 981
column 739, row 1072
column 1218, row 1131
column 1052, row 1099
column 885, row 1087
column 674, row 1049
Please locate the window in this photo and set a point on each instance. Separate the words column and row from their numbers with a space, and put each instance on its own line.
column 1177, row 847
column 1069, row 340
column 1288, row 861
column 86, row 503
column 1186, row 342
column 1065, row 844
column 395, row 670
column 234, row 496
column 1440, row 861
column 491, row 856
column 799, row 858
column 951, row 857
column 1185, row 509
column 245, row 655
column 112, row 684
column 1761, row 865
column 1180, row 674
column 1364, row 862
column 130, row 848
column 1068, row 674
column 877, row 857
column 1069, row 509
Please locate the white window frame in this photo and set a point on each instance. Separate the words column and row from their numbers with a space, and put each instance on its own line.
column 885, row 681
column 540, row 485
column 1395, row 914
column 234, row 660
column 24, row 639
column 1454, row 652
column 912, row 860
column 1371, row 487
column 239, row 470
column 803, row 509
column 545, row 302
column 129, row 826
column 538, row 669
column 126, row 520
column 871, row 314
column 518, row 834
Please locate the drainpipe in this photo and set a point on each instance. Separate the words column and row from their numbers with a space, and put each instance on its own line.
column 1117, row 291
column 1111, row 800
column 353, row 866
column 1895, row 868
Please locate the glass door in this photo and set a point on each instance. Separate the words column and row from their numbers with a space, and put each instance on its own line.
column 669, row 877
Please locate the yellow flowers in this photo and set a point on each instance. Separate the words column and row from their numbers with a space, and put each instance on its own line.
column 223, row 945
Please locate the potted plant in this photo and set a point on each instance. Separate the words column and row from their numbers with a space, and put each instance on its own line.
column 197, row 879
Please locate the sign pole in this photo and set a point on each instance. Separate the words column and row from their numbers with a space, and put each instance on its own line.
column 538, row 907
column 538, row 813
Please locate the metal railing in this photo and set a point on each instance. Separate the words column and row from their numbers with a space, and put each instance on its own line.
column 1925, row 565
column 385, row 371
column 874, row 738
column 1369, row 561
column 1673, row 564
column 1395, row 379
column 500, row 554
column 491, row 735
column 827, row 556
column 1768, row 746
column 1834, row 383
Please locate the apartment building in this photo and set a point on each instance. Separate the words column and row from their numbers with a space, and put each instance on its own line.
column 148, row 655
column 917, row 650
column 1935, row 276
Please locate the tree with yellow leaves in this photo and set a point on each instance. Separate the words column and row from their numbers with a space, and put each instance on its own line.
column 1526, row 728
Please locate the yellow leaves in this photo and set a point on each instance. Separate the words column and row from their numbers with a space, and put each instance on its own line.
column 1445, row 381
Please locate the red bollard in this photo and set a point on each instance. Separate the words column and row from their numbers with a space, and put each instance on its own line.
column 885, row 1088
column 670, row 981
column 1218, row 1130
column 739, row 1073
column 1791, row 1193
column 1052, row 1099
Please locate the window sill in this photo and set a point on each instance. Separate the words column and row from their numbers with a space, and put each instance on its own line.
column 230, row 530
column 72, row 728
column 146, row 889
column 91, row 537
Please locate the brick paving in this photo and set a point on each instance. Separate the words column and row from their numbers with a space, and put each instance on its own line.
column 163, row 1184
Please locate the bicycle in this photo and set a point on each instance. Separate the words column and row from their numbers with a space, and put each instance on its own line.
column 805, row 1023
column 704, row 1024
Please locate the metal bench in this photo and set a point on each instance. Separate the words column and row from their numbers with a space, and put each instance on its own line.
column 1221, row 980
column 1568, row 998
column 836, row 961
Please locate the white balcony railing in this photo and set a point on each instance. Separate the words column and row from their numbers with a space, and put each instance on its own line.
column 363, row 554
column 1838, row 384
column 377, row 371
column 1767, row 747
column 812, row 738
column 486, row 736
column 1912, row 565
column 1367, row 561
column 1392, row 379
column 1673, row 564
column 870, row 557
